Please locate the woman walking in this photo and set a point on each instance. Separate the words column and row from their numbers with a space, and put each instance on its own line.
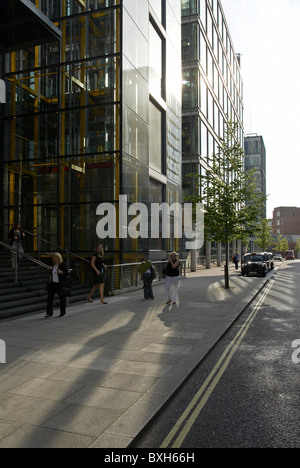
column 57, row 274
column 99, row 273
column 172, row 278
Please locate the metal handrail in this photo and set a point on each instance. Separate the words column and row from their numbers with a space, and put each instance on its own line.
column 31, row 259
column 57, row 247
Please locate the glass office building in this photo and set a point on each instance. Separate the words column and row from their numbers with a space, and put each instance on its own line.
column 255, row 160
column 92, row 116
column 212, row 86
column 212, row 83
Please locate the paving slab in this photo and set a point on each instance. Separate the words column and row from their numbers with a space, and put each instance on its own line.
column 96, row 377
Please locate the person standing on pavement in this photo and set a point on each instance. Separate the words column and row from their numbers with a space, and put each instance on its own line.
column 236, row 259
column 148, row 274
column 172, row 278
column 16, row 236
column 58, row 272
column 99, row 273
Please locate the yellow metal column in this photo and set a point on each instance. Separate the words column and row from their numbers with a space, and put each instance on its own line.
column 118, row 139
column 61, row 167
column 36, row 144
column 12, row 177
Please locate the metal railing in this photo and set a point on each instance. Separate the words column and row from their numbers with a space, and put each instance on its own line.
column 118, row 278
column 42, row 248
column 19, row 255
column 126, row 276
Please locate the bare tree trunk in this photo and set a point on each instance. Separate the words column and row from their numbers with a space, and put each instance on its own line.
column 226, row 269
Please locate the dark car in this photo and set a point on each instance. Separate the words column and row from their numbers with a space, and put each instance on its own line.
column 255, row 264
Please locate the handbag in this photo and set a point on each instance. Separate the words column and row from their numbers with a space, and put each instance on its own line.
column 47, row 285
column 65, row 288
column 165, row 269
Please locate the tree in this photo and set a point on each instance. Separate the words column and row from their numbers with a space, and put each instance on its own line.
column 297, row 247
column 282, row 244
column 264, row 238
column 225, row 189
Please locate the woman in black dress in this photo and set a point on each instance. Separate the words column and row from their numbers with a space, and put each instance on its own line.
column 98, row 271
column 57, row 274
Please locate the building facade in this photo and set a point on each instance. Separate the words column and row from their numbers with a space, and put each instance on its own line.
column 22, row 25
column 286, row 221
column 255, row 159
column 94, row 116
column 212, row 86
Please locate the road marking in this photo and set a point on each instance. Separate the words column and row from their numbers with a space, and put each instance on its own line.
column 189, row 416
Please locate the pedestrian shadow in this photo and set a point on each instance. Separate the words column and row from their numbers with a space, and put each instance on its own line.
column 107, row 337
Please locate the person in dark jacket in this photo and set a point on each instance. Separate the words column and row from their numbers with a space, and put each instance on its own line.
column 148, row 275
column 236, row 259
column 57, row 274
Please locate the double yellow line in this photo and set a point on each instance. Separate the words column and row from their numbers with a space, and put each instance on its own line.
column 188, row 418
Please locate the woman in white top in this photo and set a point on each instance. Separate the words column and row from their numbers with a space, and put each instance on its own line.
column 58, row 271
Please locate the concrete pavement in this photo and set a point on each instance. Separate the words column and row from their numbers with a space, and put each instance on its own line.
column 96, row 377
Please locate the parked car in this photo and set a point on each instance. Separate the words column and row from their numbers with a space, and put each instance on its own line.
column 278, row 258
column 255, row 263
column 290, row 255
column 270, row 259
column 271, row 255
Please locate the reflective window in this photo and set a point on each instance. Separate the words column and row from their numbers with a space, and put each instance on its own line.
column 135, row 90
column 155, row 61
column 203, row 13
column 203, row 89
column 189, row 7
column 155, row 137
column 190, row 34
column 190, row 87
column 203, row 141
column 135, row 46
column 135, row 136
column 157, row 7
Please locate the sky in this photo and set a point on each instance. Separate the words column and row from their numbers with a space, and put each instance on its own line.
column 267, row 35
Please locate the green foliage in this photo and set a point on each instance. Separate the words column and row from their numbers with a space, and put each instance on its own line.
column 264, row 235
column 225, row 189
column 282, row 244
column 297, row 247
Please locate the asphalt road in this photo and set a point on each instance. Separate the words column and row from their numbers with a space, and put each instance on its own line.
column 246, row 392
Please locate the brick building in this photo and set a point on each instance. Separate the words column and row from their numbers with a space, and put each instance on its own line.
column 286, row 222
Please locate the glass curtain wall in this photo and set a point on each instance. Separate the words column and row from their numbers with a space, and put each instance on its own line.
column 83, row 117
column 212, row 85
column 212, row 88
column 62, row 125
column 151, row 163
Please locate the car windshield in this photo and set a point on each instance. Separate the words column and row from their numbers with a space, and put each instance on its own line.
column 254, row 258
